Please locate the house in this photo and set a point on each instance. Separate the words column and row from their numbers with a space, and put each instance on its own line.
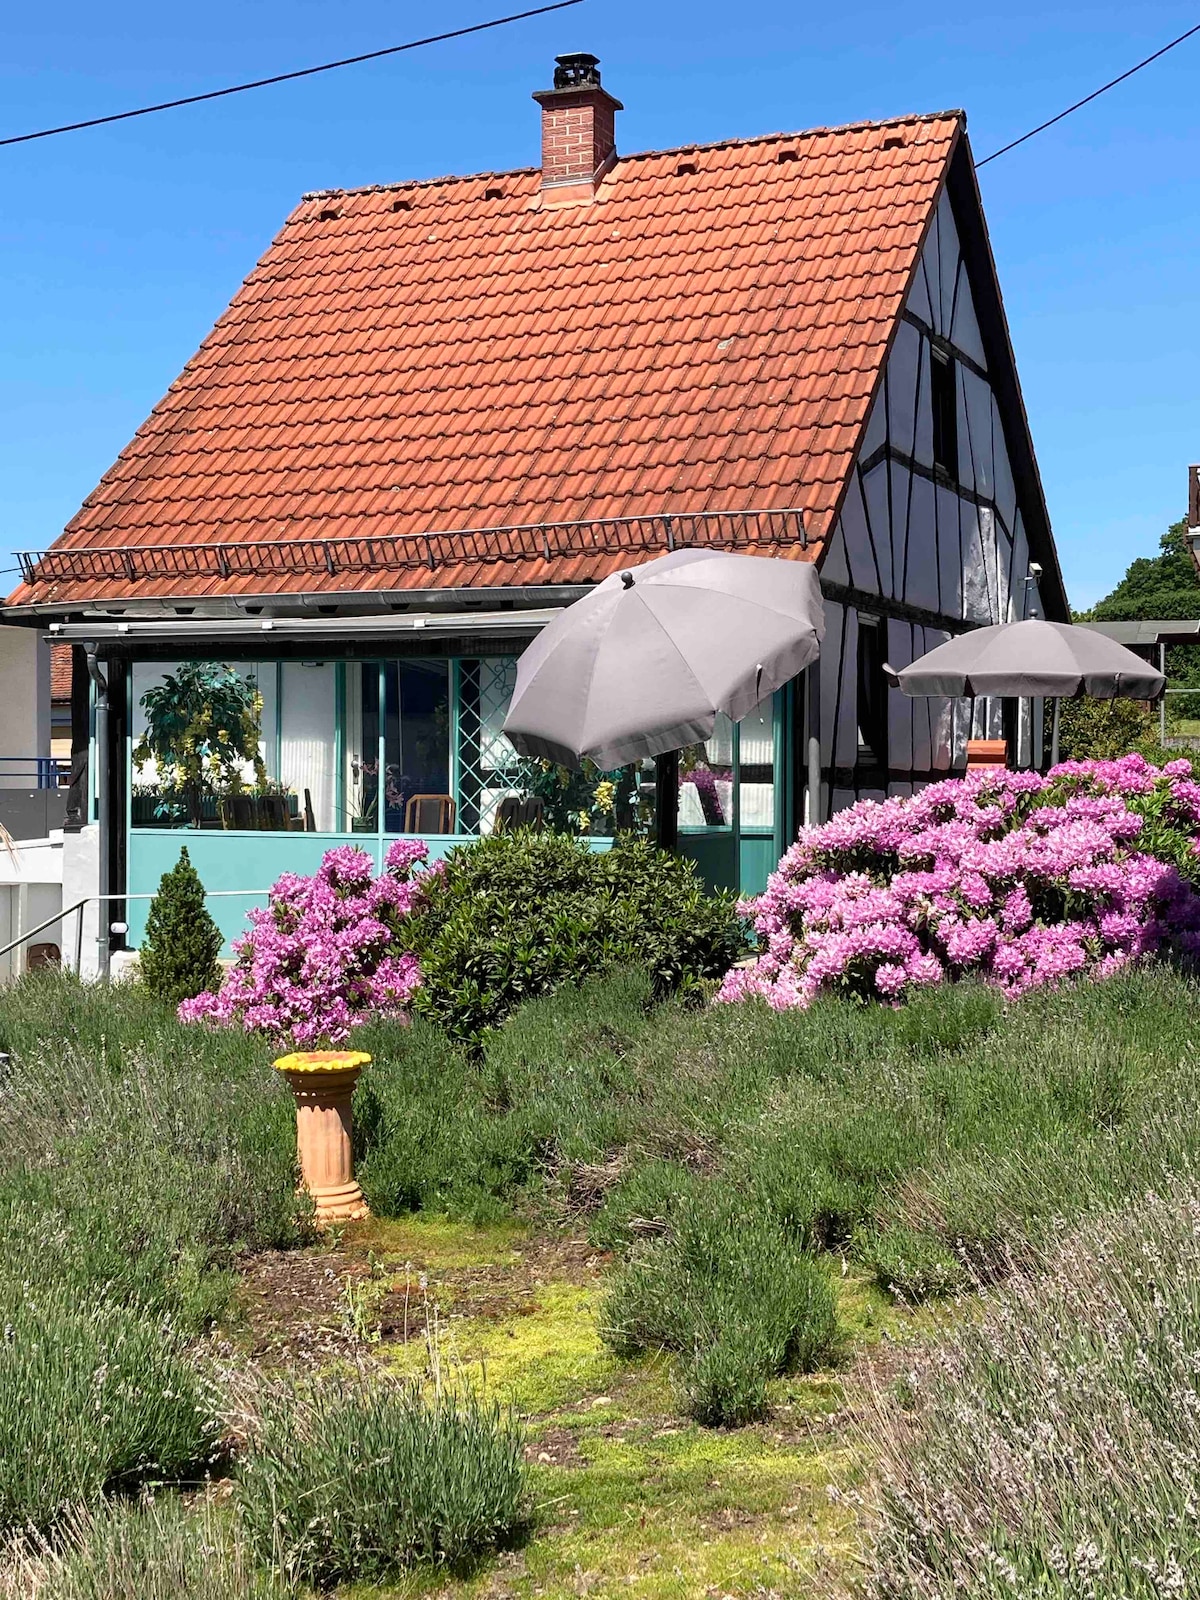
column 436, row 412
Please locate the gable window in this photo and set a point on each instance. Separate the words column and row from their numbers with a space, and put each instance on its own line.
column 872, row 693
column 943, row 393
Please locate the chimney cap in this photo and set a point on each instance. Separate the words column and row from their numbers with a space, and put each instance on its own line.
column 575, row 70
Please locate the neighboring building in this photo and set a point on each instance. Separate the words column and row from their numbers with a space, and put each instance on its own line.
column 435, row 412
column 60, row 701
column 1193, row 517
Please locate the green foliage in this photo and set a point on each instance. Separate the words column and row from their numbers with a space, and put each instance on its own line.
column 178, row 956
column 123, row 1550
column 1098, row 730
column 350, row 1479
column 724, row 1288
column 1167, row 587
column 92, row 1396
column 517, row 915
column 202, row 729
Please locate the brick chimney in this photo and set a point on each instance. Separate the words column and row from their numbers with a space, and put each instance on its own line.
column 578, row 140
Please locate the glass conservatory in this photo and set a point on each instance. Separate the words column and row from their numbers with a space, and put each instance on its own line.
column 260, row 766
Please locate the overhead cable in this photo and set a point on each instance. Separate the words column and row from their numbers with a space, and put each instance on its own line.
column 287, row 77
column 1087, row 99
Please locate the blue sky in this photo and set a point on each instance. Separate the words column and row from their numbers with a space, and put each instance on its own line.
column 119, row 246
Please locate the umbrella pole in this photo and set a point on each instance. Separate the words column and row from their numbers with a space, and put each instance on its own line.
column 666, row 800
column 1054, row 733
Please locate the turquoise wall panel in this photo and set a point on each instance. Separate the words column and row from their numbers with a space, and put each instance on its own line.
column 759, row 856
column 715, row 854
column 228, row 860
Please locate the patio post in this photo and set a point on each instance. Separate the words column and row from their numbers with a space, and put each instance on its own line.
column 103, row 805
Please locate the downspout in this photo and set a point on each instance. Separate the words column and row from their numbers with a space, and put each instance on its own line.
column 103, row 806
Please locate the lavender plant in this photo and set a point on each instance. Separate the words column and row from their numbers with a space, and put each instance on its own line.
column 1049, row 1447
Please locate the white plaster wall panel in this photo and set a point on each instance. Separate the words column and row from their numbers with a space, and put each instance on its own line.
column 860, row 555
column 876, row 433
column 922, row 449
column 918, row 298
column 964, row 334
column 886, row 521
column 931, row 262
column 921, row 571
column 962, row 731
column 833, row 560
column 900, row 706
column 900, row 791
column 966, row 461
column 979, row 582
column 950, row 554
column 872, row 794
column 923, row 640
column 1022, row 592
column 941, row 727
column 1004, row 564
column 879, row 531
column 1005, row 494
column 846, row 732
column 832, row 650
column 948, row 254
column 904, row 366
column 977, row 436
column 843, row 798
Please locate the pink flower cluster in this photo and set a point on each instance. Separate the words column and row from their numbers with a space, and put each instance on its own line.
column 323, row 954
column 1021, row 878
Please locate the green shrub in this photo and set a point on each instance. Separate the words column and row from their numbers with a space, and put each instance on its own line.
column 516, row 915
column 350, row 1479
column 178, row 956
column 124, row 1550
column 724, row 1289
column 93, row 1396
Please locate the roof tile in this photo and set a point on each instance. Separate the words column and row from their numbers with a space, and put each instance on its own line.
column 709, row 340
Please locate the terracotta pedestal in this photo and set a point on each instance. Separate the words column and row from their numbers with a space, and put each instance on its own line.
column 323, row 1082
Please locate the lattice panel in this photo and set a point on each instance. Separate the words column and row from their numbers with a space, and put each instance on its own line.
column 487, row 768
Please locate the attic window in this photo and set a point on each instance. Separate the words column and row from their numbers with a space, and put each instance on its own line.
column 944, row 396
column 893, row 142
column 493, row 194
column 786, row 155
column 686, row 169
column 401, row 205
column 330, row 214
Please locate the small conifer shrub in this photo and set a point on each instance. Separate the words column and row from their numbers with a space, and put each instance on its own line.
column 179, row 953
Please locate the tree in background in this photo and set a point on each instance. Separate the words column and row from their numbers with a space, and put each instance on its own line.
column 178, row 958
column 1166, row 587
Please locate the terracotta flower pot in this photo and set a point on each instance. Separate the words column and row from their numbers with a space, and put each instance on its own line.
column 323, row 1082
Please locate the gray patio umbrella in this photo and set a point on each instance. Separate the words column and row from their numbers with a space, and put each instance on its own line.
column 1041, row 659
column 644, row 663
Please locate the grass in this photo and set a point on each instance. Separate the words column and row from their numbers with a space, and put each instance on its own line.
column 763, row 1194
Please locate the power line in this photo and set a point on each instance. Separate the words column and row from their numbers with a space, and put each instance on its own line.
column 288, row 77
column 1088, row 98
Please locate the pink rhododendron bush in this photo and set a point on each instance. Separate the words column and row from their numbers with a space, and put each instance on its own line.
column 1019, row 878
column 324, row 953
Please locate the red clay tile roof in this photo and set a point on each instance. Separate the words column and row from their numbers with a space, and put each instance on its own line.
column 450, row 355
column 60, row 672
